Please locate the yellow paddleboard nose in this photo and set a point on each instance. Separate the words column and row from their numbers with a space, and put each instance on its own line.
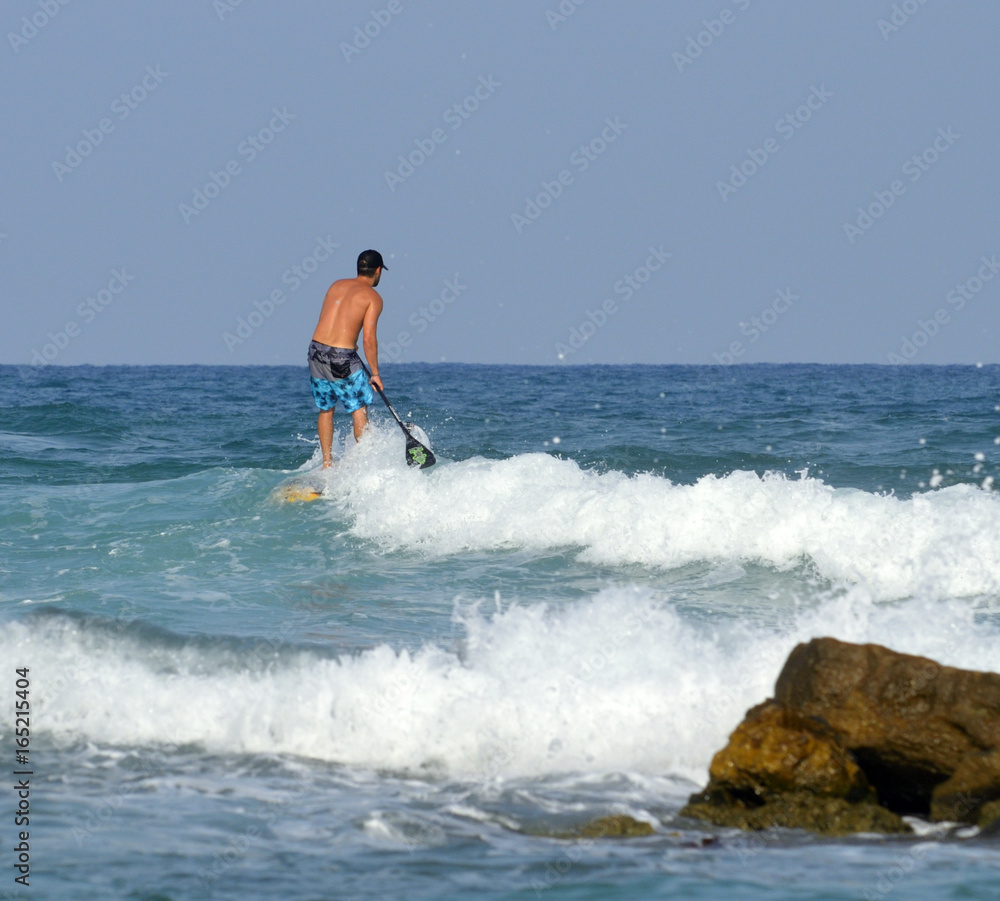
column 298, row 489
column 292, row 494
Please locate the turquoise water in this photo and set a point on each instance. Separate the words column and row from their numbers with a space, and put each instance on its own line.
column 390, row 691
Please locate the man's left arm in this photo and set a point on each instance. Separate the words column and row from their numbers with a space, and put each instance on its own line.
column 370, row 330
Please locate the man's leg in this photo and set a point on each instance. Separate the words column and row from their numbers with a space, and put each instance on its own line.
column 360, row 417
column 324, row 426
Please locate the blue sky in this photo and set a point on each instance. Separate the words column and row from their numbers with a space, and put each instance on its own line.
column 550, row 182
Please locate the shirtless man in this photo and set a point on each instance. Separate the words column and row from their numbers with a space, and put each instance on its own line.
column 351, row 305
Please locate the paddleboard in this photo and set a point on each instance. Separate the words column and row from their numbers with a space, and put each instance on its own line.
column 307, row 487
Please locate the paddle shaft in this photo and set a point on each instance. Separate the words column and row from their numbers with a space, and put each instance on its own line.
column 417, row 454
column 381, row 394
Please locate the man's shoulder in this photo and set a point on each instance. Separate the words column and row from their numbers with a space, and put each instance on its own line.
column 340, row 286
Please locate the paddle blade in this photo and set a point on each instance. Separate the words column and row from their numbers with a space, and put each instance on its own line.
column 418, row 455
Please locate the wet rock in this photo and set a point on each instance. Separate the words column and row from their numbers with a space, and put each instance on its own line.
column 782, row 769
column 616, row 826
column 974, row 785
column 776, row 751
column 909, row 722
column 800, row 810
column 855, row 737
column 989, row 819
column 620, row 826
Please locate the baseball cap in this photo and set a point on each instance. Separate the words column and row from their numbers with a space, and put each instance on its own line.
column 370, row 260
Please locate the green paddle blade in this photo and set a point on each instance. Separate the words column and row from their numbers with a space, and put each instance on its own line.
column 418, row 455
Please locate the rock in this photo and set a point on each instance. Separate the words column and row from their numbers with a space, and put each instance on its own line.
column 973, row 786
column 908, row 721
column 851, row 725
column 620, row 826
column 616, row 826
column 801, row 810
column 776, row 750
column 989, row 819
column 782, row 769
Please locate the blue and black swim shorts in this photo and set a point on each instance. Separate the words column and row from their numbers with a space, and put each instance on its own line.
column 337, row 376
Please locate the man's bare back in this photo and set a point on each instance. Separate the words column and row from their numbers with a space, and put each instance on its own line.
column 351, row 304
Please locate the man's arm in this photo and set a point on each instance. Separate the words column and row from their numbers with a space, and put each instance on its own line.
column 370, row 328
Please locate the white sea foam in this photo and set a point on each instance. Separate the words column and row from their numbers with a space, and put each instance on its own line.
column 618, row 683
column 944, row 542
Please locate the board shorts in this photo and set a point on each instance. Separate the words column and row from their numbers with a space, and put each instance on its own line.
column 337, row 376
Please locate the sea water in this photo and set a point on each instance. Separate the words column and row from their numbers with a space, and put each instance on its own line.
column 397, row 690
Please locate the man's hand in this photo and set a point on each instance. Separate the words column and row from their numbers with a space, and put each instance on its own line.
column 377, row 382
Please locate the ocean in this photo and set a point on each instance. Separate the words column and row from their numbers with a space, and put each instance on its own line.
column 404, row 688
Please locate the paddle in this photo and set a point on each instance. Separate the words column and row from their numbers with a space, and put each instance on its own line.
column 417, row 454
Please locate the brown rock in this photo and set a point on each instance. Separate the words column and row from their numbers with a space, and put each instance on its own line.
column 973, row 785
column 989, row 818
column 620, row 826
column 801, row 810
column 908, row 721
column 783, row 769
column 615, row 826
column 849, row 719
column 775, row 751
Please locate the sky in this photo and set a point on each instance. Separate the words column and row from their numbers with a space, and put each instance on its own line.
column 549, row 181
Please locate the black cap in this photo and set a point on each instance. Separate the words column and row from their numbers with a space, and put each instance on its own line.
column 370, row 260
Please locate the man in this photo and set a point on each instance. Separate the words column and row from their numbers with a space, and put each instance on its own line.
column 351, row 305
